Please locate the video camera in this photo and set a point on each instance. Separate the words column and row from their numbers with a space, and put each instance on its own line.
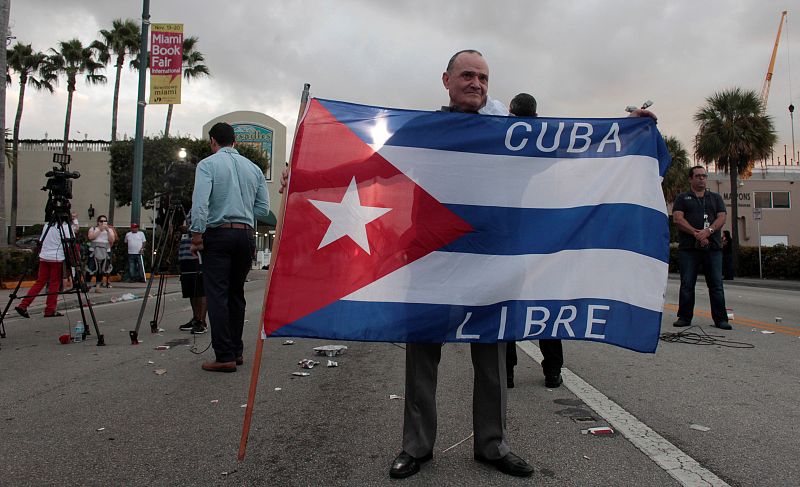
column 59, row 188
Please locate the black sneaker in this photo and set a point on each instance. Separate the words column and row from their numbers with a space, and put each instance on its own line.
column 199, row 328
column 188, row 326
column 724, row 325
column 680, row 323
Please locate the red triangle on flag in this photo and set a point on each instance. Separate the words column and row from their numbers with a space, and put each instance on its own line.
column 327, row 156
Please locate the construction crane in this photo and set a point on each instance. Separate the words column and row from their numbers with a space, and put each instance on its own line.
column 768, row 80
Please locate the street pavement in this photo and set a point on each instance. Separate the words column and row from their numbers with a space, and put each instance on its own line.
column 79, row 414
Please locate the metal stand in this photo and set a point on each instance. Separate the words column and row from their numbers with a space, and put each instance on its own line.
column 163, row 245
column 73, row 261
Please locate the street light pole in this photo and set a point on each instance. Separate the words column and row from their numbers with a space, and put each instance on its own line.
column 138, row 147
column 791, row 115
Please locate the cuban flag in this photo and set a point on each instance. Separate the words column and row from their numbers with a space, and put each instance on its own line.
column 416, row 226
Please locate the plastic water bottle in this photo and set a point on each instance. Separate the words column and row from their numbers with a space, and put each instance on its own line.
column 77, row 332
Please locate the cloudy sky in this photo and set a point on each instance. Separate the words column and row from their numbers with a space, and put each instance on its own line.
column 587, row 58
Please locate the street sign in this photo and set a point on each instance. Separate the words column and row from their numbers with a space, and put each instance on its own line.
column 756, row 213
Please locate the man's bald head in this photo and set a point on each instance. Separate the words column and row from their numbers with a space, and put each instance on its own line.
column 467, row 80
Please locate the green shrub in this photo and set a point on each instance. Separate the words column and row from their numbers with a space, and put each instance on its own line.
column 778, row 262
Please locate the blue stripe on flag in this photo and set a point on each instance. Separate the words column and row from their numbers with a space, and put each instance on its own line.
column 446, row 131
column 517, row 231
column 429, row 323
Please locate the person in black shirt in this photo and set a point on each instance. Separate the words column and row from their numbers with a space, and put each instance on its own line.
column 699, row 215
column 524, row 105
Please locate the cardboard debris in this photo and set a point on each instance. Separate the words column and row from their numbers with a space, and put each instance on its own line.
column 160, row 371
column 330, row 350
column 699, row 427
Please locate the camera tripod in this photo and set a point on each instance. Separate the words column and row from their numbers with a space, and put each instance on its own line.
column 174, row 215
column 59, row 220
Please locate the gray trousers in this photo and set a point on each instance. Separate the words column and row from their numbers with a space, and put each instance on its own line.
column 488, row 399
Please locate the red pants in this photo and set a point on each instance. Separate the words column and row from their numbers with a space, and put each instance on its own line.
column 48, row 272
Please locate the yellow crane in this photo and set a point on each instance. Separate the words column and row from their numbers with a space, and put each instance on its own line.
column 768, row 80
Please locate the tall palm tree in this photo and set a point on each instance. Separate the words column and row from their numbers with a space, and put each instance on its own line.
column 734, row 132
column 193, row 68
column 121, row 40
column 33, row 69
column 70, row 60
column 675, row 178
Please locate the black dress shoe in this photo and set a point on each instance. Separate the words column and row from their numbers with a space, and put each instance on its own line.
column 553, row 381
column 723, row 325
column 239, row 360
column 22, row 312
column 680, row 322
column 405, row 465
column 219, row 366
column 510, row 464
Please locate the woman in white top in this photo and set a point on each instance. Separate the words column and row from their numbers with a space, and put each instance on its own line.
column 101, row 239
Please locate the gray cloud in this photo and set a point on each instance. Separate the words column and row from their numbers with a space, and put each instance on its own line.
column 579, row 58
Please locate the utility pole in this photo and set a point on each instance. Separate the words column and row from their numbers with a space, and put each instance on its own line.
column 138, row 146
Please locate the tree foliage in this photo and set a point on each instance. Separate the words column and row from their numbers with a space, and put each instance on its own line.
column 675, row 178
column 162, row 171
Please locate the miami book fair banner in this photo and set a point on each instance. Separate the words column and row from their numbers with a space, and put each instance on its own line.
column 415, row 226
column 166, row 62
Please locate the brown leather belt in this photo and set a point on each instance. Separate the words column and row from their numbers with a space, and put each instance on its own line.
column 243, row 226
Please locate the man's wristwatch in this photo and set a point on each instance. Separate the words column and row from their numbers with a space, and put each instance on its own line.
column 710, row 230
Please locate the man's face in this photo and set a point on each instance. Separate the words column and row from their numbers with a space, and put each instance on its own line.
column 698, row 180
column 467, row 82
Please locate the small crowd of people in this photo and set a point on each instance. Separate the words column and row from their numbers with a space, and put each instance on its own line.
column 58, row 270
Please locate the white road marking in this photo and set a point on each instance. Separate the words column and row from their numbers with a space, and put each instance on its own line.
column 678, row 464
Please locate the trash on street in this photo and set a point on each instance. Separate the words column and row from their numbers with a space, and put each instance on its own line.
column 301, row 374
column 307, row 363
column 331, row 363
column 160, row 371
column 330, row 350
column 699, row 427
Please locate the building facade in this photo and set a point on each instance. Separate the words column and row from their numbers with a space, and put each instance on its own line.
column 771, row 194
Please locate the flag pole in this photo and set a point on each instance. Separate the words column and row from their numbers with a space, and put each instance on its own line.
column 251, row 394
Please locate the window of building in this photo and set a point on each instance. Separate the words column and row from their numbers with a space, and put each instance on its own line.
column 771, row 199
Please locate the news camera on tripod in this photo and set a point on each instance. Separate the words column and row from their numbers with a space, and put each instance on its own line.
column 55, row 248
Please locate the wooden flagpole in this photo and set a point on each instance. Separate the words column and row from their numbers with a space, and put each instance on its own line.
column 251, row 394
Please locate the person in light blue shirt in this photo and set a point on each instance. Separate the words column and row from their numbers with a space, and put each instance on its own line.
column 230, row 194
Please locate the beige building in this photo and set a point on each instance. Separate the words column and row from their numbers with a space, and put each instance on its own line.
column 775, row 191
column 91, row 160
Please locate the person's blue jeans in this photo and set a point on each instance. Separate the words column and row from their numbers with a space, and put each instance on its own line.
column 690, row 262
column 135, row 271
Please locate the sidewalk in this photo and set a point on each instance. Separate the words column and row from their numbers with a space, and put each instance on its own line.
column 785, row 284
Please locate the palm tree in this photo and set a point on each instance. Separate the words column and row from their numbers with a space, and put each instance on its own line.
column 674, row 180
column 192, row 68
column 121, row 40
column 734, row 132
column 72, row 59
column 33, row 69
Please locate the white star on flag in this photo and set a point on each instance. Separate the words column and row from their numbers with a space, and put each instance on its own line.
column 348, row 218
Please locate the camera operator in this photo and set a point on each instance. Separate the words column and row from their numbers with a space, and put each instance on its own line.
column 101, row 239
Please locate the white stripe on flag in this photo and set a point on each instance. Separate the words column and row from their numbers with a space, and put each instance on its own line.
column 529, row 182
column 479, row 280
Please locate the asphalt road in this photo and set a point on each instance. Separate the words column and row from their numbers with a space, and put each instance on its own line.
column 79, row 414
